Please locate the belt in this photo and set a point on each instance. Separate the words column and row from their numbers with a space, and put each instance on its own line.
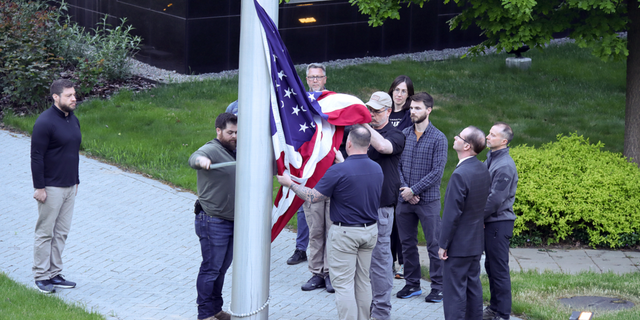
column 357, row 225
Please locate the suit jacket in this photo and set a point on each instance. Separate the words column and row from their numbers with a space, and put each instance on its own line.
column 463, row 216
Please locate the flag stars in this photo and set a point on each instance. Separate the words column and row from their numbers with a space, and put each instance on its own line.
column 303, row 127
column 311, row 97
column 281, row 74
column 295, row 110
column 287, row 93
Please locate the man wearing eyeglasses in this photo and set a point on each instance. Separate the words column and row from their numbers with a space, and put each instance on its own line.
column 462, row 228
column 313, row 218
column 387, row 143
column 316, row 76
column 421, row 168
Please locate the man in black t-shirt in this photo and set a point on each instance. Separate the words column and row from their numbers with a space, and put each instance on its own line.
column 387, row 143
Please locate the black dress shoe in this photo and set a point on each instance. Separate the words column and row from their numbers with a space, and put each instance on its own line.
column 298, row 256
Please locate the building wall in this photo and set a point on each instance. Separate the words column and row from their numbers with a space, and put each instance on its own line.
column 200, row 36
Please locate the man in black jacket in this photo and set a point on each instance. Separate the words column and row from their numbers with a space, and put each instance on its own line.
column 498, row 220
column 55, row 146
column 462, row 228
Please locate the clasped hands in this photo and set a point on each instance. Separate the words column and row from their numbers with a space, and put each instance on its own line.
column 408, row 196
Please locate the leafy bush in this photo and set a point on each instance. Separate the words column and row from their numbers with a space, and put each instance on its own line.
column 572, row 188
column 104, row 48
column 37, row 42
column 28, row 61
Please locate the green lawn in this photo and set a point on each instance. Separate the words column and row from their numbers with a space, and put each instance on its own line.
column 535, row 294
column 20, row 302
column 566, row 90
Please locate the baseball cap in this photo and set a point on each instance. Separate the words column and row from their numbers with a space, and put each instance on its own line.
column 379, row 100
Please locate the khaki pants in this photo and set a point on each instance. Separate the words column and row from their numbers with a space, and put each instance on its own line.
column 52, row 228
column 317, row 215
column 350, row 251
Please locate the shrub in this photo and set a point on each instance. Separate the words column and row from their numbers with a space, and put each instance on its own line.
column 28, row 62
column 104, row 47
column 572, row 188
column 37, row 42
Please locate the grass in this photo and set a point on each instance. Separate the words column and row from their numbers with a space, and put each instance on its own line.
column 20, row 302
column 535, row 295
column 566, row 90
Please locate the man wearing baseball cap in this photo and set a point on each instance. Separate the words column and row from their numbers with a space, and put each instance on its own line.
column 387, row 144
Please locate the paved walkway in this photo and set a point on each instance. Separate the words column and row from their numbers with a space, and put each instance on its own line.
column 134, row 254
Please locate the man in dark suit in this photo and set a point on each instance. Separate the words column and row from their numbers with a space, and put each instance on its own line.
column 461, row 238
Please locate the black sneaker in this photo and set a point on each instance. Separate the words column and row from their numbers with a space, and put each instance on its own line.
column 316, row 282
column 434, row 296
column 488, row 313
column 408, row 292
column 45, row 286
column 297, row 257
column 59, row 282
column 327, row 283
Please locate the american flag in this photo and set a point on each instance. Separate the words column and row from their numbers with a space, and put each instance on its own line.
column 305, row 126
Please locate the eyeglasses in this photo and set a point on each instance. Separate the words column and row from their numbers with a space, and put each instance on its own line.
column 461, row 138
column 315, row 78
column 374, row 111
column 400, row 91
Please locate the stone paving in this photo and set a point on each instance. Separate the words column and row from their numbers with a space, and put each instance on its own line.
column 134, row 254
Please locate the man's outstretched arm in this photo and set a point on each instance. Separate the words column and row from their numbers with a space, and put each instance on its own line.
column 306, row 194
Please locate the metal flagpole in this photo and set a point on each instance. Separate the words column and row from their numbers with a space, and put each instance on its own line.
column 254, row 167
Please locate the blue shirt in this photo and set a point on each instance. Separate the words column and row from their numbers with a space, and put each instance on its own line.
column 354, row 187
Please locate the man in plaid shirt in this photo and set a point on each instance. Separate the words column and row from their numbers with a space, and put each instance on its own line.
column 421, row 168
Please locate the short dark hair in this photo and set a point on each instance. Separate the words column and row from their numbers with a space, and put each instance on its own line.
column 360, row 136
column 476, row 139
column 400, row 79
column 507, row 132
column 423, row 97
column 224, row 119
column 59, row 85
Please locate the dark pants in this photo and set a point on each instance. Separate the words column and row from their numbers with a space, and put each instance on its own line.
column 496, row 248
column 462, row 288
column 302, row 236
column 396, row 245
column 428, row 214
column 216, row 243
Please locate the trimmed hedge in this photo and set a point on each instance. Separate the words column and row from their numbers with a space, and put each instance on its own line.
column 572, row 189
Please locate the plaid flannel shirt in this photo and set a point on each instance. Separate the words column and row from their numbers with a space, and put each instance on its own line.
column 422, row 163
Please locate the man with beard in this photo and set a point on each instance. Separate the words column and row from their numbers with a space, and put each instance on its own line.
column 421, row 168
column 215, row 213
column 387, row 143
column 55, row 146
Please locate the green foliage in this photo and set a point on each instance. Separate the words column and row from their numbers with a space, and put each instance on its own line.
column 37, row 42
column 570, row 186
column 28, row 61
column 510, row 24
column 104, row 50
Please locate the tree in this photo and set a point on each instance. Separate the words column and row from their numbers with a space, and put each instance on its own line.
column 509, row 24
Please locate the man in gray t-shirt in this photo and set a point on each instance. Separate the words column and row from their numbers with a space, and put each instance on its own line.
column 215, row 214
